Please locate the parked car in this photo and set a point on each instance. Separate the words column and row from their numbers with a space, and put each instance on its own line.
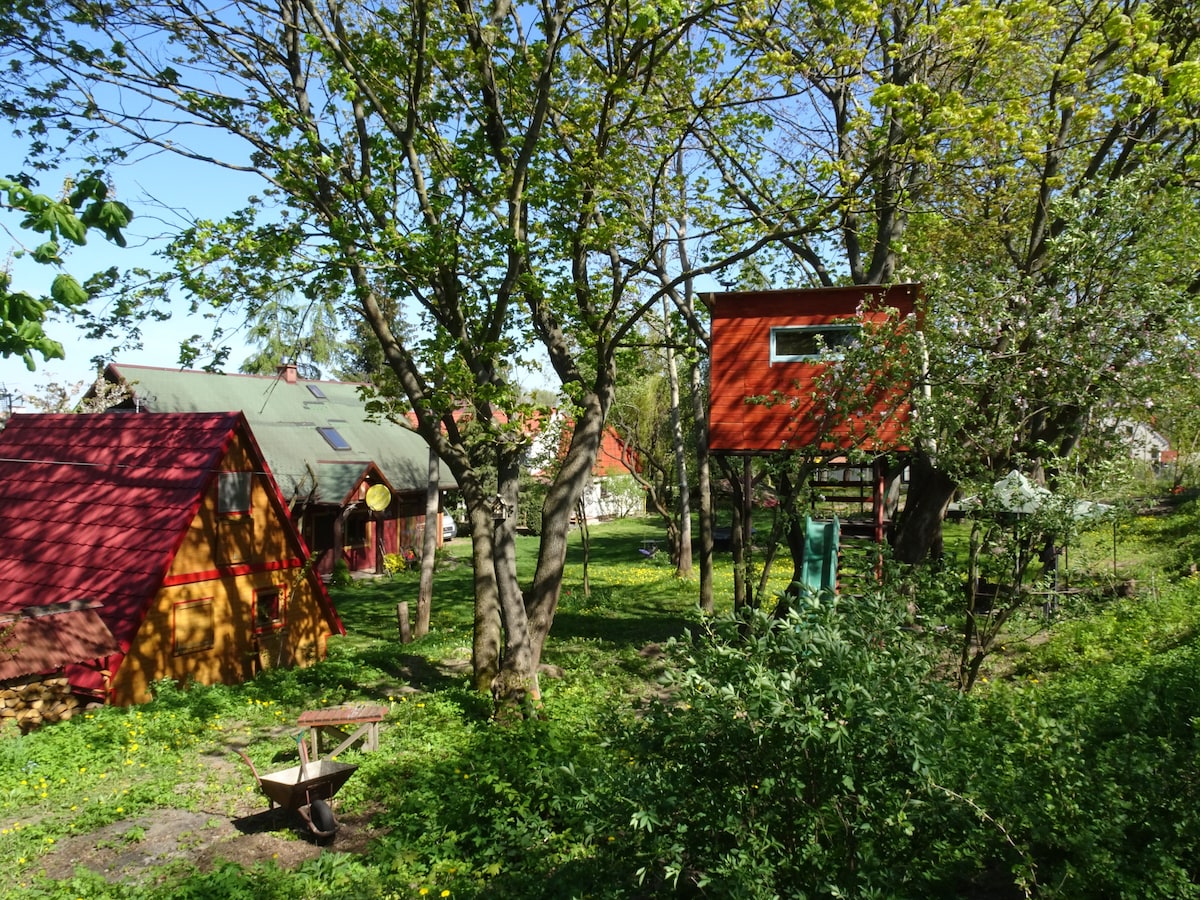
column 449, row 527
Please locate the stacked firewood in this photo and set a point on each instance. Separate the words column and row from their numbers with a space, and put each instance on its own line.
column 35, row 703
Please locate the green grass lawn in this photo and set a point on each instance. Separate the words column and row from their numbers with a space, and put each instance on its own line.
column 631, row 600
column 451, row 802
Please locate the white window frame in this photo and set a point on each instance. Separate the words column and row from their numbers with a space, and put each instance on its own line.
column 826, row 354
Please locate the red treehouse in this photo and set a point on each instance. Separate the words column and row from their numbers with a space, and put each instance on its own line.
column 786, row 379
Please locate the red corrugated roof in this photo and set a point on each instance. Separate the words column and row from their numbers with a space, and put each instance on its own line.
column 94, row 507
column 47, row 639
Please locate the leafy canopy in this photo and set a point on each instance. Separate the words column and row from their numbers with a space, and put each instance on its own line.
column 58, row 224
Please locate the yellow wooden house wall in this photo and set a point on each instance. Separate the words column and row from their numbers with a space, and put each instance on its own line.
column 227, row 560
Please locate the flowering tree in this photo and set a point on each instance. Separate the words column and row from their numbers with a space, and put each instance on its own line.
column 1033, row 164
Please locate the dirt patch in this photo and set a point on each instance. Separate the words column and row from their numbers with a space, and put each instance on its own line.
column 134, row 850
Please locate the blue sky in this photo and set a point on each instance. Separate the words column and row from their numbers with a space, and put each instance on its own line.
column 163, row 191
column 166, row 193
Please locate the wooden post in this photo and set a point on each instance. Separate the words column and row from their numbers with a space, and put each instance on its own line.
column 402, row 619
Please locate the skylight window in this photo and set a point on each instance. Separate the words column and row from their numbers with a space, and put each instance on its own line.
column 316, row 391
column 334, row 438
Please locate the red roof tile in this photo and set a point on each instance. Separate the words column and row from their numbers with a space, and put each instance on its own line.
column 46, row 639
column 94, row 507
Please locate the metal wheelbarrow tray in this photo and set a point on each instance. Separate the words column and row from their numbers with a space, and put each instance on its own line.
column 306, row 789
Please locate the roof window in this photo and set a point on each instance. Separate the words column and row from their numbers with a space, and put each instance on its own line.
column 334, row 438
column 315, row 390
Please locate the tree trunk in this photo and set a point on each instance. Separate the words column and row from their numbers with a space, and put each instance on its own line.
column 797, row 541
column 737, row 550
column 699, row 344
column 919, row 533
column 586, row 543
column 429, row 544
column 968, row 667
column 704, row 489
column 683, row 542
column 487, row 641
column 788, row 521
column 542, row 599
column 516, row 681
column 739, row 531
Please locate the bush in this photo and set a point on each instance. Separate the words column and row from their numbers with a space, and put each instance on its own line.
column 1095, row 769
column 529, row 506
column 341, row 573
column 792, row 759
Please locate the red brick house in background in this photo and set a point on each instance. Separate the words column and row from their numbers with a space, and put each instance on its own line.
column 611, row 491
column 160, row 544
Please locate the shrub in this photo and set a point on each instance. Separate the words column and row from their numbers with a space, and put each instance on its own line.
column 529, row 506
column 1095, row 768
column 340, row 574
column 792, row 759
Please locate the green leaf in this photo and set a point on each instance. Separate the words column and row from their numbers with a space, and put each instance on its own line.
column 48, row 252
column 66, row 291
column 90, row 188
column 68, row 224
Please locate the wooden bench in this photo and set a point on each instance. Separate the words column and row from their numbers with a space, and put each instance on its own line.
column 338, row 719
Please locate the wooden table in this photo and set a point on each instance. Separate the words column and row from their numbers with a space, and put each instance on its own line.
column 338, row 719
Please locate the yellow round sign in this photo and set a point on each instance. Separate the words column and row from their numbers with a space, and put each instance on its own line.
column 378, row 497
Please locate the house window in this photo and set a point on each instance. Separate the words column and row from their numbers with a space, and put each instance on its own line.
column 268, row 609
column 235, row 540
column 355, row 534
column 811, row 342
column 315, row 391
column 193, row 626
column 233, row 493
column 335, row 440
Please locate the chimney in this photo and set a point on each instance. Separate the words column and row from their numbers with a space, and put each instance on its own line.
column 288, row 372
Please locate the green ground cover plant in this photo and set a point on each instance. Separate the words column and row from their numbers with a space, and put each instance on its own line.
column 824, row 755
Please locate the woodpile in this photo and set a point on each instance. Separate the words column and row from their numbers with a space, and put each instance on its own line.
column 36, row 703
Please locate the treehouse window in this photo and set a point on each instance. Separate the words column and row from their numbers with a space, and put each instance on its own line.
column 193, row 626
column 811, row 342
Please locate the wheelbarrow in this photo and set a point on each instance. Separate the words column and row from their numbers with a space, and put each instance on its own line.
column 306, row 789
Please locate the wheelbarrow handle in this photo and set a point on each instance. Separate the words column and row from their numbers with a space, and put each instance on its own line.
column 242, row 754
column 303, row 757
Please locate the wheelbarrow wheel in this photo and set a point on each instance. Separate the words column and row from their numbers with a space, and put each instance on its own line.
column 323, row 821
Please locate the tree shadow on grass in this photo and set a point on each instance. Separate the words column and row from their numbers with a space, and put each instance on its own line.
column 631, row 631
column 419, row 672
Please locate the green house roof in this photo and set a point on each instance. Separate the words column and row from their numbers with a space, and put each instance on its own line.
column 316, row 435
